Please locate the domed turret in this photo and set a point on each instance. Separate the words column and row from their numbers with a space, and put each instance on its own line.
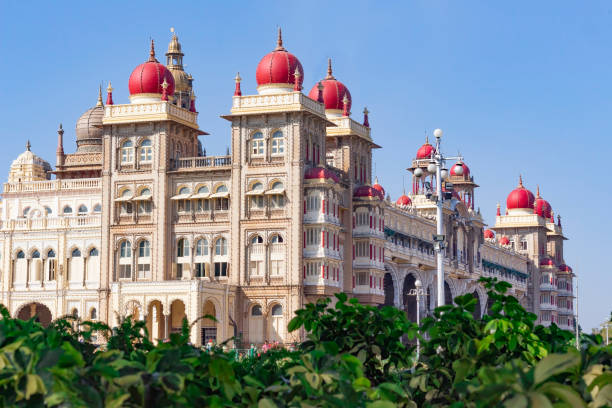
column 403, row 201
column 368, row 192
column 183, row 82
column 520, row 198
column 425, row 151
column 541, row 206
column 89, row 128
column 504, row 241
column 334, row 92
column 276, row 71
column 320, row 173
column 147, row 80
column 378, row 187
column 488, row 234
column 29, row 167
column 466, row 170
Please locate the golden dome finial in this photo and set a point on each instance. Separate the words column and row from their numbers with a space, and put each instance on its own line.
column 152, row 52
column 520, row 180
column 329, row 69
column 279, row 41
column 28, row 145
column 538, row 191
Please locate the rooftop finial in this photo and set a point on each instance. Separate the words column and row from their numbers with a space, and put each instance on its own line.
column 426, row 138
column 279, row 41
column 152, row 52
column 320, row 92
column 28, row 145
column 109, row 94
column 237, row 91
column 538, row 191
column 520, row 180
column 164, row 85
column 366, row 119
column 296, row 86
column 345, row 104
column 99, row 103
column 329, row 70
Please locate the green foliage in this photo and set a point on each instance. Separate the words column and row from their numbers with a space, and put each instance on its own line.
column 354, row 356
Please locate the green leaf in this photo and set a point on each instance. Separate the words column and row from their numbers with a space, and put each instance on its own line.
column 295, row 324
column 361, row 384
column 381, row 404
column 266, row 403
column 564, row 393
column 538, row 400
column 555, row 364
column 462, row 367
column 518, row 401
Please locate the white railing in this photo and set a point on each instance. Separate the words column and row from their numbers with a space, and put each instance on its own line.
column 115, row 113
column 201, row 162
column 27, row 224
column 53, row 185
column 285, row 101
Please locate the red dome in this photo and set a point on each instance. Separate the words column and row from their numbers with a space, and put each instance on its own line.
column 488, row 234
column 333, row 92
column 565, row 268
column 520, row 198
column 466, row 170
column 148, row 78
column 378, row 187
column 278, row 67
column 403, row 201
column 547, row 262
column 542, row 207
column 320, row 173
column 367, row 191
column 504, row 240
column 424, row 151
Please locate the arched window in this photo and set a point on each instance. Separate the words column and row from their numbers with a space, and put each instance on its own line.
column 144, row 201
column 93, row 252
column 221, row 247
column 75, row 253
column 93, row 314
column 97, row 208
column 144, row 249
column 20, row 255
column 184, row 203
column 277, row 310
column 82, row 209
column 35, row 254
column 182, row 248
column 221, row 200
column 74, row 313
column 67, row 210
column 127, row 152
column 144, row 260
column 125, row 260
column 201, row 266
column 26, row 211
column 257, row 144
column 51, row 264
column 126, row 205
column 146, row 151
column 257, row 240
column 276, row 239
column 256, row 311
column 202, row 204
column 278, row 143
column 202, row 247
column 48, row 211
column 277, row 195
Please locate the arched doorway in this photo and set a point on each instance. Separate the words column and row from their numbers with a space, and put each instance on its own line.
column 38, row 311
column 256, row 325
column 209, row 326
column 155, row 320
column 276, row 324
column 389, row 290
column 448, row 295
column 410, row 303
column 478, row 307
column 177, row 314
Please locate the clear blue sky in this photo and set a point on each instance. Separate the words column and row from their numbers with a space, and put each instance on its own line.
column 518, row 87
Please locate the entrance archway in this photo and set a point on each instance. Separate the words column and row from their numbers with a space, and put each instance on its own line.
column 155, row 320
column 209, row 326
column 389, row 290
column 448, row 295
column 38, row 311
column 410, row 303
column 177, row 314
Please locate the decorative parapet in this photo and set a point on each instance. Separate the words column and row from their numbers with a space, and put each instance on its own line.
column 345, row 125
column 53, row 185
column 519, row 220
column 287, row 102
column 52, row 223
column 147, row 112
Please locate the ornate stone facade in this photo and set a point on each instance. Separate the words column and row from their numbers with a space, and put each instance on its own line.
column 142, row 223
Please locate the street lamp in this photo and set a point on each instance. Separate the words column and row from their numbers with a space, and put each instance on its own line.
column 418, row 292
column 436, row 164
column 577, row 328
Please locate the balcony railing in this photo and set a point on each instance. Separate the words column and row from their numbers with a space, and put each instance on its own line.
column 26, row 224
column 201, row 162
column 53, row 185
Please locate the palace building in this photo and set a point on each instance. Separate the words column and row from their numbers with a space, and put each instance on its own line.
column 140, row 221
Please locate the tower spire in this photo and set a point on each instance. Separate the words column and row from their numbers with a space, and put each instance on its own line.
column 238, row 91
column 520, row 180
column 28, row 145
column 329, row 70
column 538, row 191
column 109, row 94
column 279, row 41
column 366, row 120
column 296, row 85
column 99, row 103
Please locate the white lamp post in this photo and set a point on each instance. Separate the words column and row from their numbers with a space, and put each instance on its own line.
column 577, row 325
column 436, row 165
column 418, row 292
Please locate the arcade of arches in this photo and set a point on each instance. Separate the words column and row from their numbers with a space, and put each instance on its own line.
column 40, row 312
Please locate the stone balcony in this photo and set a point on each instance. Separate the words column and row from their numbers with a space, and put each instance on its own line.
column 53, row 185
column 201, row 163
column 284, row 102
column 51, row 223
